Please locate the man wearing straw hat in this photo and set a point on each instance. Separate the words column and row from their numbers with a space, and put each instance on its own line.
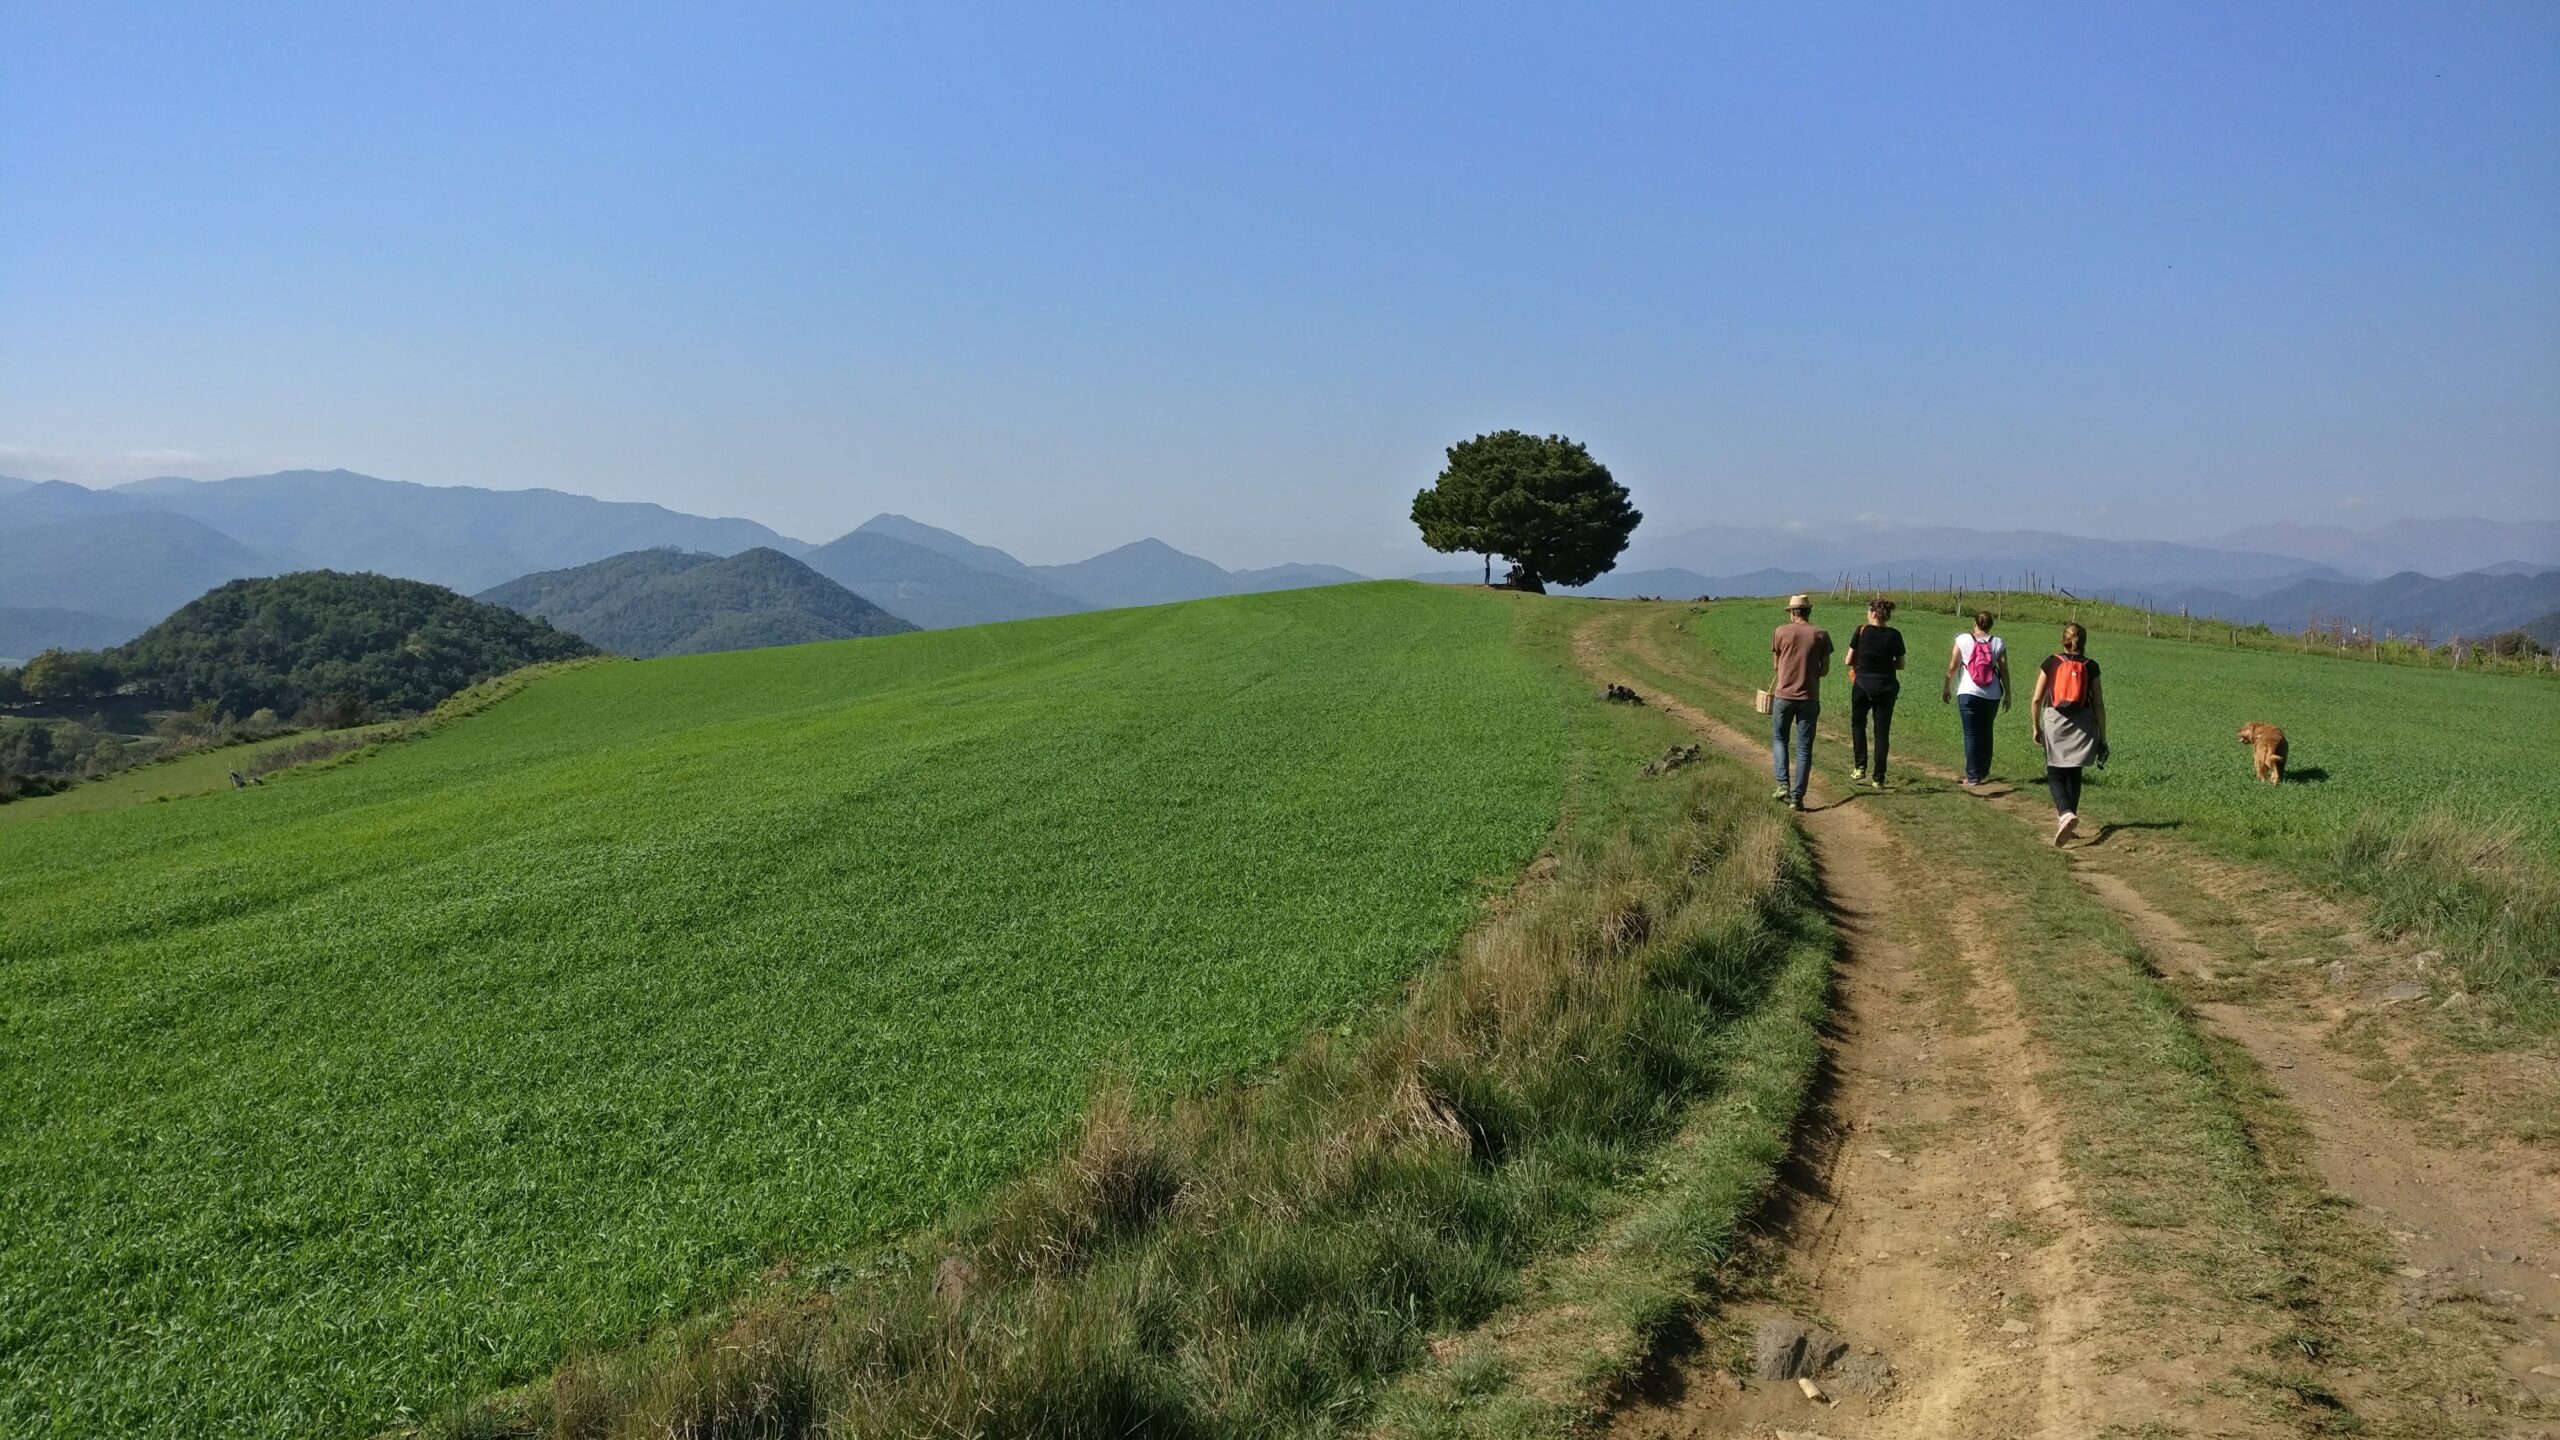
column 1802, row 656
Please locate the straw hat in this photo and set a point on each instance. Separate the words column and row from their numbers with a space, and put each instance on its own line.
column 1799, row 602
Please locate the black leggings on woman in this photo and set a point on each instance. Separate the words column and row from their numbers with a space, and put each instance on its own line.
column 2064, row 783
column 1864, row 702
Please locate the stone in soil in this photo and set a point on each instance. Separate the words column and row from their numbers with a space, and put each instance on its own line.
column 1784, row 1349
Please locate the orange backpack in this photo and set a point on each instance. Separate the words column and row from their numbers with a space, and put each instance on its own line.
column 2070, row 682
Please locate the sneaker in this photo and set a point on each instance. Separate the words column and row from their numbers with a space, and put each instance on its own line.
column 2063, row 827
column 1858, row 772
column 1968, row 782
column 1780, row 794
column 1879, row 783
column 1796, row 805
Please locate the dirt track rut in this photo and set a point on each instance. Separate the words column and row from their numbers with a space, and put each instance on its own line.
column 1960, row 1261
column 2471, row 1223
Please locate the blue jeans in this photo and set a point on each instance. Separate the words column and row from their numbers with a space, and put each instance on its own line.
column 1977, row 714
column 1798, row 715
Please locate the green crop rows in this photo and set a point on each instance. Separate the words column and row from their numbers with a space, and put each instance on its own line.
column 2365, row 737
column 344, row 1097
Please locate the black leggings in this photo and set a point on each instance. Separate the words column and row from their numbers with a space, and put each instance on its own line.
column 1863, row 703
column 2064, row 782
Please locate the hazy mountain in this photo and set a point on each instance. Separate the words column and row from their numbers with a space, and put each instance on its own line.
column 27, row 633
column 2432, row 547
column 1666, row 583
column 929, row 586
column 2473, row 604
column 1142, row 572
column 943, row 542
column 137, row 566
column 449, row 534
column 1291, row 577
column 1148, row 572
column 671, row 602
column 54, row 501
column 2546, row 629
column 11, row 484
column 1931, row 557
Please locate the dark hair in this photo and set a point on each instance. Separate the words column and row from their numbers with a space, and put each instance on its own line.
column 1881, row 608
column 2075, row 638
column 1982, row 619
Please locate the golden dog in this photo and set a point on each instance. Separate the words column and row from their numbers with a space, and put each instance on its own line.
column 2266, row 748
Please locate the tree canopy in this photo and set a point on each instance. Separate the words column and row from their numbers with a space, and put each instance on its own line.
column 296, row 640
column 1539, row 501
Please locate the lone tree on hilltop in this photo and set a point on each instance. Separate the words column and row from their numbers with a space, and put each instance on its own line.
column 1539, row 501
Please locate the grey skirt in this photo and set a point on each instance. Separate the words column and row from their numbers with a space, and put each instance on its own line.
column 2069, row 742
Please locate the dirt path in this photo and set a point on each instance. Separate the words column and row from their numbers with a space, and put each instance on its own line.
column 2475, row 1225
column 1928, row 1218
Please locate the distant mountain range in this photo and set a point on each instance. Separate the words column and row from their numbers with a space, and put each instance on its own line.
column 83, row 568
column 673, row 602
column 2474, row 604
column 939, row 584
column 2279, row 575
column 2429, row 547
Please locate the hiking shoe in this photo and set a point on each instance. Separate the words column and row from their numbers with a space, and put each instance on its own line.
column 2063, row 827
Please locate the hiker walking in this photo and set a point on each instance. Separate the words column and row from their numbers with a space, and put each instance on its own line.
column 1875, row 682
column 1978, row 681
column 1801, row 655
column 2070, row 722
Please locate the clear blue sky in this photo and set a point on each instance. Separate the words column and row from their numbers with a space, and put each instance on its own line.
column 1234, row 275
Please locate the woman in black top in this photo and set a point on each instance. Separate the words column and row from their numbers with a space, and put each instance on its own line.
column 1875, row 682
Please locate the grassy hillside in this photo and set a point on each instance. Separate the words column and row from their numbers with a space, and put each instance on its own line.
column 381, row 1085
column 1595, row 1084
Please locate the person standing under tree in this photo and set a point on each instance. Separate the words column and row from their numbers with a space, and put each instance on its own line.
column 1875, row 682
column 1978, row 681
column 2070, row 722
column 1801, row 655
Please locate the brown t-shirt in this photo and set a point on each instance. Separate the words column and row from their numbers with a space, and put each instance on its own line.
column 1803, row 653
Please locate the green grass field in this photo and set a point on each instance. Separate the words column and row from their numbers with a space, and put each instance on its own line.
column 379, row 1086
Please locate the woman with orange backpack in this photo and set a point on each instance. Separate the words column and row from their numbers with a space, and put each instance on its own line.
column 2070, row 722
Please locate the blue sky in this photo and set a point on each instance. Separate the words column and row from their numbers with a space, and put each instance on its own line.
column 1235, row 275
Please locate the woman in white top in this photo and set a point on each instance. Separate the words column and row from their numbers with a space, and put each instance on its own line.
column 1978, row 681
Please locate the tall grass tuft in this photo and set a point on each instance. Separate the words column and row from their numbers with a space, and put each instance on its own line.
column 2478, row 891
column 1259, row 1259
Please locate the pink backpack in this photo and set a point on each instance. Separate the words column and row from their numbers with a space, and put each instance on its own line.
column 1980, row 666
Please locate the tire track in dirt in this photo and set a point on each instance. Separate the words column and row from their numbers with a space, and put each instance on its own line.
column 2462, row 1224
column 2474, row 1224
column 1894, row 1246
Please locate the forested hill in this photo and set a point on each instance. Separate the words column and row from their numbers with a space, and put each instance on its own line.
column 673, row 602
column 295, row 640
